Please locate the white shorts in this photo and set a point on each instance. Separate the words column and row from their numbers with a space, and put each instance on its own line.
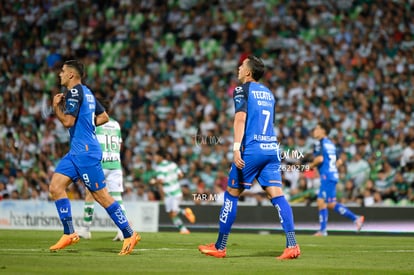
column 172, row 203
column 114, row 180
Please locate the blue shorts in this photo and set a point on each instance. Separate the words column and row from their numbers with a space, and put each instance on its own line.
column 85, row 167
column 264, row 168
column 327, row 191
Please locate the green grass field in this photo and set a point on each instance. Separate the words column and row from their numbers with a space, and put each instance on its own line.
column 26, row 252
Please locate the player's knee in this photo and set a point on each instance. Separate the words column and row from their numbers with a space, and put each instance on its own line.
column 234, row 191
column 331, row 205
column 56, row 190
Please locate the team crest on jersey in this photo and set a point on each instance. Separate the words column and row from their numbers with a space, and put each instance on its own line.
column 74, row 92
column 238, row 89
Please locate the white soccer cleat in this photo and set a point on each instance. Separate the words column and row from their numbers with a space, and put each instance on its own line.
column 84, row 233
column 119, row 236
column 359, row 222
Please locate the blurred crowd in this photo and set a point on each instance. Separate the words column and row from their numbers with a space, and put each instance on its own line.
column 169, row 69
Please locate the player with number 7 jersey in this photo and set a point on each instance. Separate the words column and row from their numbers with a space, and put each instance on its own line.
column 259, row 101
column 255, row 157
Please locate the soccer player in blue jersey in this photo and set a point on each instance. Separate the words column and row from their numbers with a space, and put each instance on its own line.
column 81, row 113
column 255, row 156
column 326, row 161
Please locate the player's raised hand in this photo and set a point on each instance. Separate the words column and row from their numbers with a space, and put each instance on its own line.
column 57, row 99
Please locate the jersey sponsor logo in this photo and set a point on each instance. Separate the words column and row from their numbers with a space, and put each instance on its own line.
column 279, row 213
column 111, row 159
column 238, row 98
column 269, row 146
column 264, row 103
column 228, row 205
column 120, row 216
column 329, row 147
column 263, row 95
column 89, row 98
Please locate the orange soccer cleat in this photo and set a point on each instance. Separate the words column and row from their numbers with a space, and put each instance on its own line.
column 211, row 250
column 188, row 213
column 129, row 244
column 290, row 253
column 64, row 241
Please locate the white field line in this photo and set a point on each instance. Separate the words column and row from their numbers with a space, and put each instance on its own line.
column 136, row 249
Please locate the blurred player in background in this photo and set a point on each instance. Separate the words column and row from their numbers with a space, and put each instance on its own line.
column 110, row 139
column 326, row 162
column 83, row 161
column 167, row 176
column 255, row 156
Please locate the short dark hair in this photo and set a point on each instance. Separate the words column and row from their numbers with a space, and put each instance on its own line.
column 161, row 152
column 257, row 67
column 325, row 125
column 75, row 64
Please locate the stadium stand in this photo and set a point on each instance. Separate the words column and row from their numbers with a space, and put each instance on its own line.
column 169, row 69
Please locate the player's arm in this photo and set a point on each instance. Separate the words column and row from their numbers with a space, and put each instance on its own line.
column 239, row 123
column 316, row 161
column 340, row 160
column 101, row 119
column 158, row 182
column 67, row 119
column 102, row 116
column 317, row 152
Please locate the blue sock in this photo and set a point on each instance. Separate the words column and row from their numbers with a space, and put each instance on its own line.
column 286, row 219
column 65, row 215
column 119, row 218
column 342, row 210
column 228, row 214
column 323, row 219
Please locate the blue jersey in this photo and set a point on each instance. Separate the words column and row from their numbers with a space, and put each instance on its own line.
column 258, row 102
column 81, row 103
column 327, row 169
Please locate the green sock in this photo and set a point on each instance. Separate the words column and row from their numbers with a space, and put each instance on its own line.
column 88, row 210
